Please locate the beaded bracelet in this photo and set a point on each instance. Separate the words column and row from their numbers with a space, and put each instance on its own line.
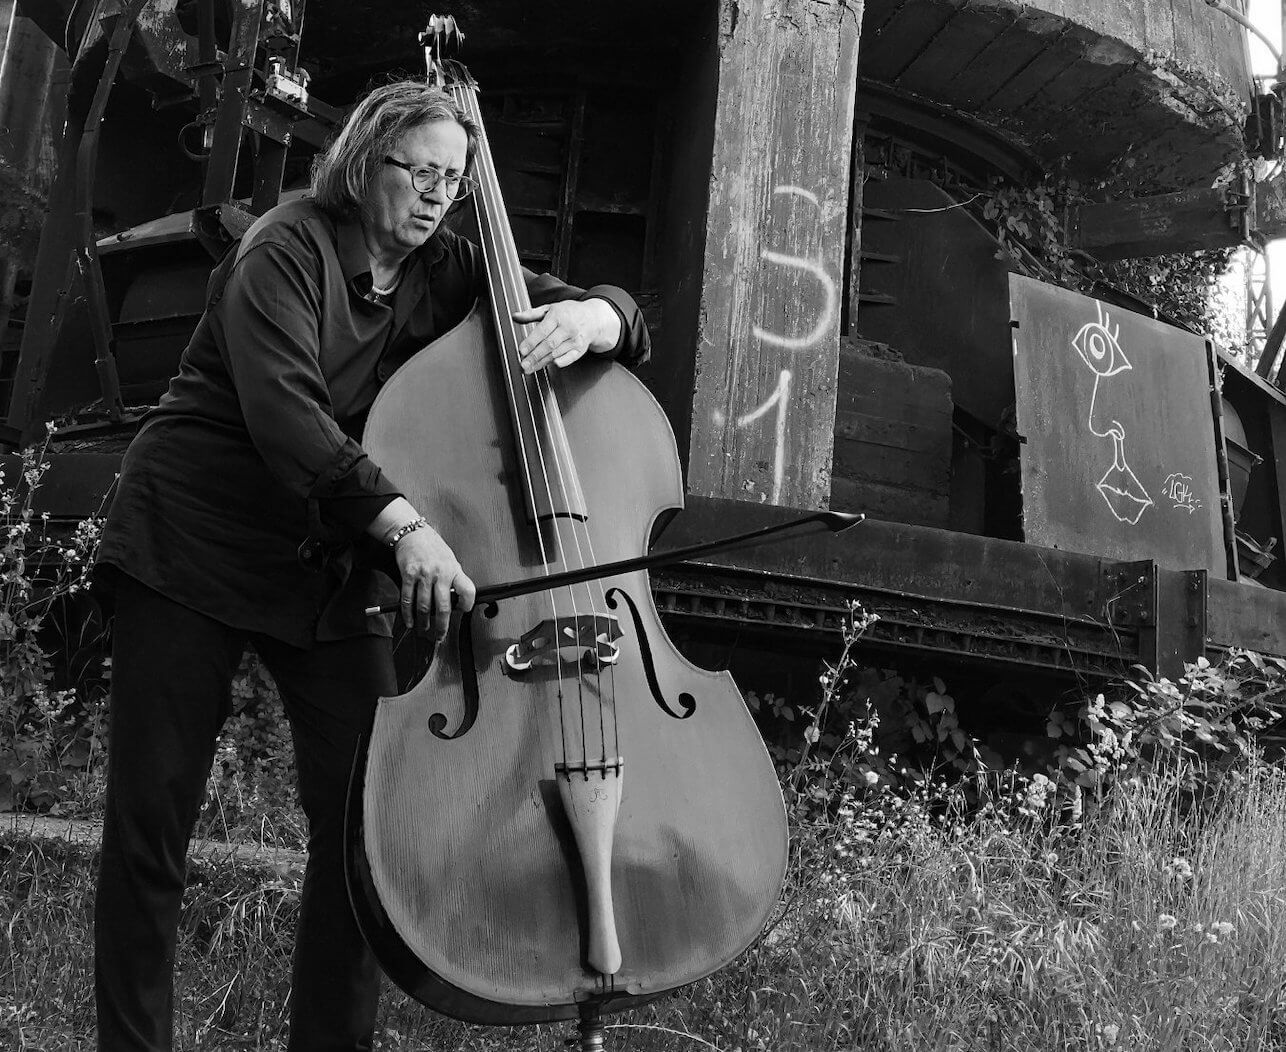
column 402, row 531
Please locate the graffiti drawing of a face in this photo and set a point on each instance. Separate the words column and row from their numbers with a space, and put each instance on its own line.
column 1098, row 344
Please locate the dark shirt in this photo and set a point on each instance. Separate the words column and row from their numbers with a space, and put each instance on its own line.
column 254, row 451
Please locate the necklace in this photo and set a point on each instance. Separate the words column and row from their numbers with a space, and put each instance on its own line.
column 380, row 294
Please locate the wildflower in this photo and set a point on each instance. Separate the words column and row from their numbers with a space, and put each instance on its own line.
column 1167, row 921
column 1111, row 1032
column 1178, row 868
column 871, row 778
column 1036, row 795
column 1222, row 929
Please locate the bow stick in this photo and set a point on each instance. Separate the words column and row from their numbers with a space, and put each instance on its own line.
column 834, row 521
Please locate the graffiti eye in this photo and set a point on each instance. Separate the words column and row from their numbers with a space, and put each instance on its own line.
column 1100, row 349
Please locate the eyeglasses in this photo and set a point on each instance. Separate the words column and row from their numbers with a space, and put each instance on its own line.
column 425, row 180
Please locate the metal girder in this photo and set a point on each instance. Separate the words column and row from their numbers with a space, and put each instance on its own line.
column 906, row 624
column 968, row 596
column 234, row 93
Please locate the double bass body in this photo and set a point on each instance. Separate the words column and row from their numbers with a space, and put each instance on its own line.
column 475, row 895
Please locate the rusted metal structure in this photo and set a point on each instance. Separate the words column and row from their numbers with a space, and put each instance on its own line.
column 790, row 188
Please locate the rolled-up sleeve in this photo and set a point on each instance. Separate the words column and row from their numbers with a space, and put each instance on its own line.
column 269, row 312
column 634, row 345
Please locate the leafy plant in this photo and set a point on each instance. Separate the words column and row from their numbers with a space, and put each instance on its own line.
column 1211, row 710
column 51, row 732
column 1030, row 218
column 54, row 679
column 1029, row 221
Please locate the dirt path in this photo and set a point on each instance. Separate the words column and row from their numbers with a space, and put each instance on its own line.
column 80, row 831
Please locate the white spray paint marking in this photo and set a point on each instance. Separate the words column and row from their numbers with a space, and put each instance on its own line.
column 1099, row 345
column 796, row 191
column 780, row 398
column 809, row 266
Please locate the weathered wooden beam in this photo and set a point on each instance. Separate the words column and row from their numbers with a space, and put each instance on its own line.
column 767, row 353
column 1187, row 221
column 1149, row 226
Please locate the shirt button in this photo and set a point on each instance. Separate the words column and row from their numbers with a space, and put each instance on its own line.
column 381, row 372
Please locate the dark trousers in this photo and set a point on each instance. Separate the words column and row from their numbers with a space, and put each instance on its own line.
column 171, row 672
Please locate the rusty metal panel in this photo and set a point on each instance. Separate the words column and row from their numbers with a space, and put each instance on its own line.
column 1247, row 616
column 1118, row 435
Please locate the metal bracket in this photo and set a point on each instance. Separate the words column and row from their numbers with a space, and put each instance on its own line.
column 1130, row 593
column 1264, row 125
column 1166, row 607
column 268, row 121
column 1238, row 203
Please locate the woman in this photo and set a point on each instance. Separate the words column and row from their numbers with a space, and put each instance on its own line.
column 247, row 512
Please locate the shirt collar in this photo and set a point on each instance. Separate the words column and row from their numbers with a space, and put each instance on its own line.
column 354, row 261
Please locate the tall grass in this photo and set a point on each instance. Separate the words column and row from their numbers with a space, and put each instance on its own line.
column 911, row 921
column 1157, row 924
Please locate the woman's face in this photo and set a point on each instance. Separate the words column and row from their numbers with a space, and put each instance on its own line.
column 399, row 220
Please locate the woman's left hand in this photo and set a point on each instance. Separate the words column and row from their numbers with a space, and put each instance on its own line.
column 562, row 332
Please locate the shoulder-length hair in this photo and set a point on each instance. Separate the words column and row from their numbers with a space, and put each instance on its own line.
column 342, row 173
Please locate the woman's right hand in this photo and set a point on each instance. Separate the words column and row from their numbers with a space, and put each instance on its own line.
column 430, row 572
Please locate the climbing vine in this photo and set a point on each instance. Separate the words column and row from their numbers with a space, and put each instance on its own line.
column 1030, row 224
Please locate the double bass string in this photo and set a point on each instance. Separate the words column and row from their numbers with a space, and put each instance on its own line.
column 507, row 286
column 577, row 529
column 579, row 495
column 568, row 486
column 501, row 310
column 511, row 279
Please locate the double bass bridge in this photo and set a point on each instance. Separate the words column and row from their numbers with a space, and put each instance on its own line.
column 587, row 640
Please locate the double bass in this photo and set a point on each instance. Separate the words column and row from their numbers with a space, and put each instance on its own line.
column 563, row 817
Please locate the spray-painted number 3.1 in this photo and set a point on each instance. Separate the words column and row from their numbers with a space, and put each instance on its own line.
column 780, row 398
